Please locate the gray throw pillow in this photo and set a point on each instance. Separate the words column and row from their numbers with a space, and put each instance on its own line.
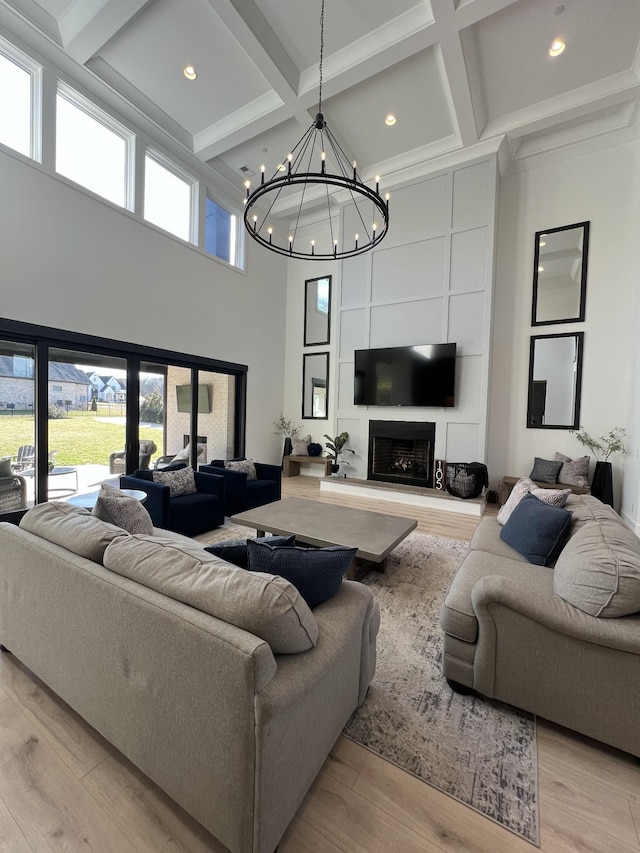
column 122, row 510
column 552, row 497
column 180, row 482
column 545, row 470
column 244, row 466
column 574, row 472
column 300, row 446
column 5, row 467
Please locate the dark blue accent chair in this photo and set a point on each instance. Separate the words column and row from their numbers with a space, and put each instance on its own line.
column 187, row 514
column 242, row 494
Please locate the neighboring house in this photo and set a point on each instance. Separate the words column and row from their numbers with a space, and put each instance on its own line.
column 68, row 386
column 108, row 389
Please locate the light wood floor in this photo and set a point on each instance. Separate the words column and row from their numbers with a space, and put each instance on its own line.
column 64, row 788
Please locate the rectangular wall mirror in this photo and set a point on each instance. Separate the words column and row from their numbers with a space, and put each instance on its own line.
column 315, row 385
column 555, row 377
column 317, row 311
column 560, row 275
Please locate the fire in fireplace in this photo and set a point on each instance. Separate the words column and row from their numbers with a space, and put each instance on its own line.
column 401, row 452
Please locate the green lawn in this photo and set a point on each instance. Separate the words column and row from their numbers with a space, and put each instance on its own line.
column 80, row 439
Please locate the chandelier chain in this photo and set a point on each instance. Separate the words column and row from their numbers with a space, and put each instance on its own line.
column 321, row 55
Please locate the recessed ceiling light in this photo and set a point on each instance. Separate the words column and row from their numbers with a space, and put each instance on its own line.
column 557, row 46
column 542, row 243
column 190, row 72
column 390, row 120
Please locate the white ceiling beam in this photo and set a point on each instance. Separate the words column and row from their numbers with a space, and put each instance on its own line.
column 248, row 26
column 87, row 25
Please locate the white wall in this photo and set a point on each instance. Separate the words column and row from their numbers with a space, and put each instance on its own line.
column 70, row 261
column 429, row 281
column 603, row 188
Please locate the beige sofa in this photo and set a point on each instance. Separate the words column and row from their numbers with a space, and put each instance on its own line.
column 232, row 730
column 510, row 632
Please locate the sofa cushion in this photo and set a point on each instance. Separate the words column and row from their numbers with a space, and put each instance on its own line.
column 536, row 530
column 236, row 550
column 181, row 481
column 599, row 570
column 574, row 472
column 122, row 510
column 244, row 466
column 268, row 607
column 545, row 470
column 73, row 528
column 315, row 572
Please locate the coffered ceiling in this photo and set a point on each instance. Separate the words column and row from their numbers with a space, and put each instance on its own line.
column 461, row 76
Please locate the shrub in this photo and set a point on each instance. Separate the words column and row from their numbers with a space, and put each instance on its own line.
column 152, row 408
column 56, row 413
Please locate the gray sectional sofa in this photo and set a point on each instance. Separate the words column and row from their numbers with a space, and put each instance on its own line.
column 528, row 634
column 161, row 647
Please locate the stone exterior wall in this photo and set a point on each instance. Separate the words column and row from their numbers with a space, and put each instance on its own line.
column 20, row 392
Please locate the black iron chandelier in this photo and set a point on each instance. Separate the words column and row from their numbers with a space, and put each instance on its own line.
column 295, row 180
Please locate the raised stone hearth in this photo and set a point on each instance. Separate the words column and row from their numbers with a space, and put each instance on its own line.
column 401, row 493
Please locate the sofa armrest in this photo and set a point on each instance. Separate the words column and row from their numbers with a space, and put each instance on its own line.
column 210, row 484
column 158, row 497
column 268, row 472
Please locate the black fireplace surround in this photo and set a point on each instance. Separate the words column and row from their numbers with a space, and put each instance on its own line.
column 401, row 452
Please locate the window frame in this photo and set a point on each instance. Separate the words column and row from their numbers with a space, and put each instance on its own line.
column 238, row 255
column 35, row 71
column 181, row 173
column 76, row 99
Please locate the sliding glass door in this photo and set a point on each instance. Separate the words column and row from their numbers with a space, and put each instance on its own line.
column 17, row 426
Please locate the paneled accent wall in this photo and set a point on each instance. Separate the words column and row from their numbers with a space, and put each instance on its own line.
column 430, row 281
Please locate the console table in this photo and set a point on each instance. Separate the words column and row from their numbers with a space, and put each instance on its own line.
column 291, row 464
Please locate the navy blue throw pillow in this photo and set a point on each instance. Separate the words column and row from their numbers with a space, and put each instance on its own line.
column 235, row 551
column 315, row 572
column 536, row 530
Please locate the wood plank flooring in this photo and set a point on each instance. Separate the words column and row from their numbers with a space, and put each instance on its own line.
column 64, row 788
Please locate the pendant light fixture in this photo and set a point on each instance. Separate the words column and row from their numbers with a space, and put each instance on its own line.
column 307, row 181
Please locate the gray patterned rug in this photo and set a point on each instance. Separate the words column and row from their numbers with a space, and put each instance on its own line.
column 478, row 751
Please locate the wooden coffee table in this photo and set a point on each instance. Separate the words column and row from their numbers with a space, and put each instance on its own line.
column 374, row 534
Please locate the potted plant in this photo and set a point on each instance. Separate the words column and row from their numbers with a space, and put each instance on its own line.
column 602, row 448
column 286, row 428
column 336, row 446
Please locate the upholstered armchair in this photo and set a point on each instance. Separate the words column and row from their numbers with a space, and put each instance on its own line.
column 189, row 514
column 241, row 493
column 146, row 449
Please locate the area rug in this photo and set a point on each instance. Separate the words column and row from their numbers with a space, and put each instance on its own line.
column 477, row 750
column 482, row 753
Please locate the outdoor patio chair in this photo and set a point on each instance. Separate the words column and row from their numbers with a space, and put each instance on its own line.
column 13, row 493
column 183, row 455
column 25, row 457
column 146, row 449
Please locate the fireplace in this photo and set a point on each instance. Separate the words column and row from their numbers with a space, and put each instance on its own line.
column 401, row 452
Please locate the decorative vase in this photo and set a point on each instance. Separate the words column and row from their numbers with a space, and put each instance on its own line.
column 334, row 468
column 287, row 448
column 602, row 485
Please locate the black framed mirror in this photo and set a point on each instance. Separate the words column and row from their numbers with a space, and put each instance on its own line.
column 317, row 311
column 555, row 381
column 560, row 275
column 315, row 385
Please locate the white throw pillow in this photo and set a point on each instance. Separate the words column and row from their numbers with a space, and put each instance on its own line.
column 245, row 466
column 521, row 488
column 180, row 482
column 300, row 446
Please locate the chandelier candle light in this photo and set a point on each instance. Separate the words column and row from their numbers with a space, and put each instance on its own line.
column 296, row 175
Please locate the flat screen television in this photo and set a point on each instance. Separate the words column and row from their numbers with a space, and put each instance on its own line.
column 183, row 398
column 406, row 376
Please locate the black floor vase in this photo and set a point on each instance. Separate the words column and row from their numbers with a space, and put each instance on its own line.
column 602, row 485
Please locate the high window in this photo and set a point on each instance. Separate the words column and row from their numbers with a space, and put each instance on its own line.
column 221, row 233
column 168, row 196
column 91, row 148
column 19, row 79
